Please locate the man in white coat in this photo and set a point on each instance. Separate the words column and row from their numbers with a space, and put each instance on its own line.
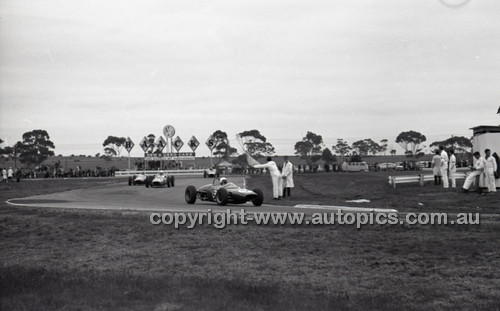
column 275, row 177
column 444, row 166
column 287, row 175
column 476, row 171
column 490, row 167
column 453, row 168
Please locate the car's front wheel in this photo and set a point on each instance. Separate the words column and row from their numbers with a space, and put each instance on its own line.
column 172, row 181
column 221, row 197
column 260, row 197
column 190, row 194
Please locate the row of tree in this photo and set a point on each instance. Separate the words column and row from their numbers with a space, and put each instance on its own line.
column 311, row 147
column 36, row 146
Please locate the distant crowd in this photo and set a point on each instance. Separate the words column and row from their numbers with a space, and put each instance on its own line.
column 9, row 174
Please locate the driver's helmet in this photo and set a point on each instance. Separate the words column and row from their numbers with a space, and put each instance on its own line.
column 223, row 181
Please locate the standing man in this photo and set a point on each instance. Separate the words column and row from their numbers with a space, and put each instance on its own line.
column 476, row 171
column 10, row 174
column 453, row 168
column 436, row 168
column 287, row 175
column 490, row 167
column 275, row 177
column 444, row 166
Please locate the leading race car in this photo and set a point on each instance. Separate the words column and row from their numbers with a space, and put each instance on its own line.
column 223, row 192
column 158, row 180
column 210, row 172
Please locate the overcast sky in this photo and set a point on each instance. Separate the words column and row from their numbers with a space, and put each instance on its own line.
column 83, row 70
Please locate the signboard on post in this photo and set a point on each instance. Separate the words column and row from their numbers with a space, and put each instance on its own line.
column 129, row 144
column 193, row 143
column 210, row 142
column 169, row 131
column 160, row 144
column 144, row 144
column 178, row 143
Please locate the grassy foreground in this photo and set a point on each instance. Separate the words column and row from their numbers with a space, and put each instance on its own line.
column 86, row 260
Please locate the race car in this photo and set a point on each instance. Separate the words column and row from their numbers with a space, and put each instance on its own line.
column 223, row 192
column 210, row 172
column 158, row 180
column 161, row 180
column 138, row 179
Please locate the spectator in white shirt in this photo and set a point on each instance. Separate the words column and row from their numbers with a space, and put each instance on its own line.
column 477, row 170
column 444, row 166
column 453, row 168
column 490, row 167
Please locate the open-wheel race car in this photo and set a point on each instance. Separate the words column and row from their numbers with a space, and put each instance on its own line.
column 223, row 192
column 158, row 180
column 210, row 172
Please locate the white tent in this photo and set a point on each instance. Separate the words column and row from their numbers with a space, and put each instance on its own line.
column 224, row 164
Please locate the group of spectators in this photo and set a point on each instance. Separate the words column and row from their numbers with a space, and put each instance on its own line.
column 8, row 175
column 52, row 172
column 489, row 167
column 444, row 167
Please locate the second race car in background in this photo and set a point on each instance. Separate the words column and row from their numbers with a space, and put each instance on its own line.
column 157, row 180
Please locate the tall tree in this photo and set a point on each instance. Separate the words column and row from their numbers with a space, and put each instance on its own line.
column 256, row 144
column 460, row 144
column 361, row 146
column 373, row 147
column 12, row 152
column 151, row 143
column 328, row 156
column 113, row 145
column 342, row 147
column 411, row 141
column 35, row 147
column 384, row 143
column 309, row 146
column 222, row 149
column 366, row 146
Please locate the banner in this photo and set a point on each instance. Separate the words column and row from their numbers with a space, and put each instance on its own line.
column 169, row 156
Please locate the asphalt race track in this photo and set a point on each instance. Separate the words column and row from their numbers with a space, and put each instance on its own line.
column 121, row 196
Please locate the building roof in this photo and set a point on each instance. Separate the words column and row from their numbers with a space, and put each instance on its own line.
column 481, row 129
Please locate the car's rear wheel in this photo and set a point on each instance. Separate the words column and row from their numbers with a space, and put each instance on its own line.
column 221, row 197
column 190, row 194
column 172, row 181
column 130, row 181
column 260, row 197
column 168, row 181
column 147, row 184
column 204, row 174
